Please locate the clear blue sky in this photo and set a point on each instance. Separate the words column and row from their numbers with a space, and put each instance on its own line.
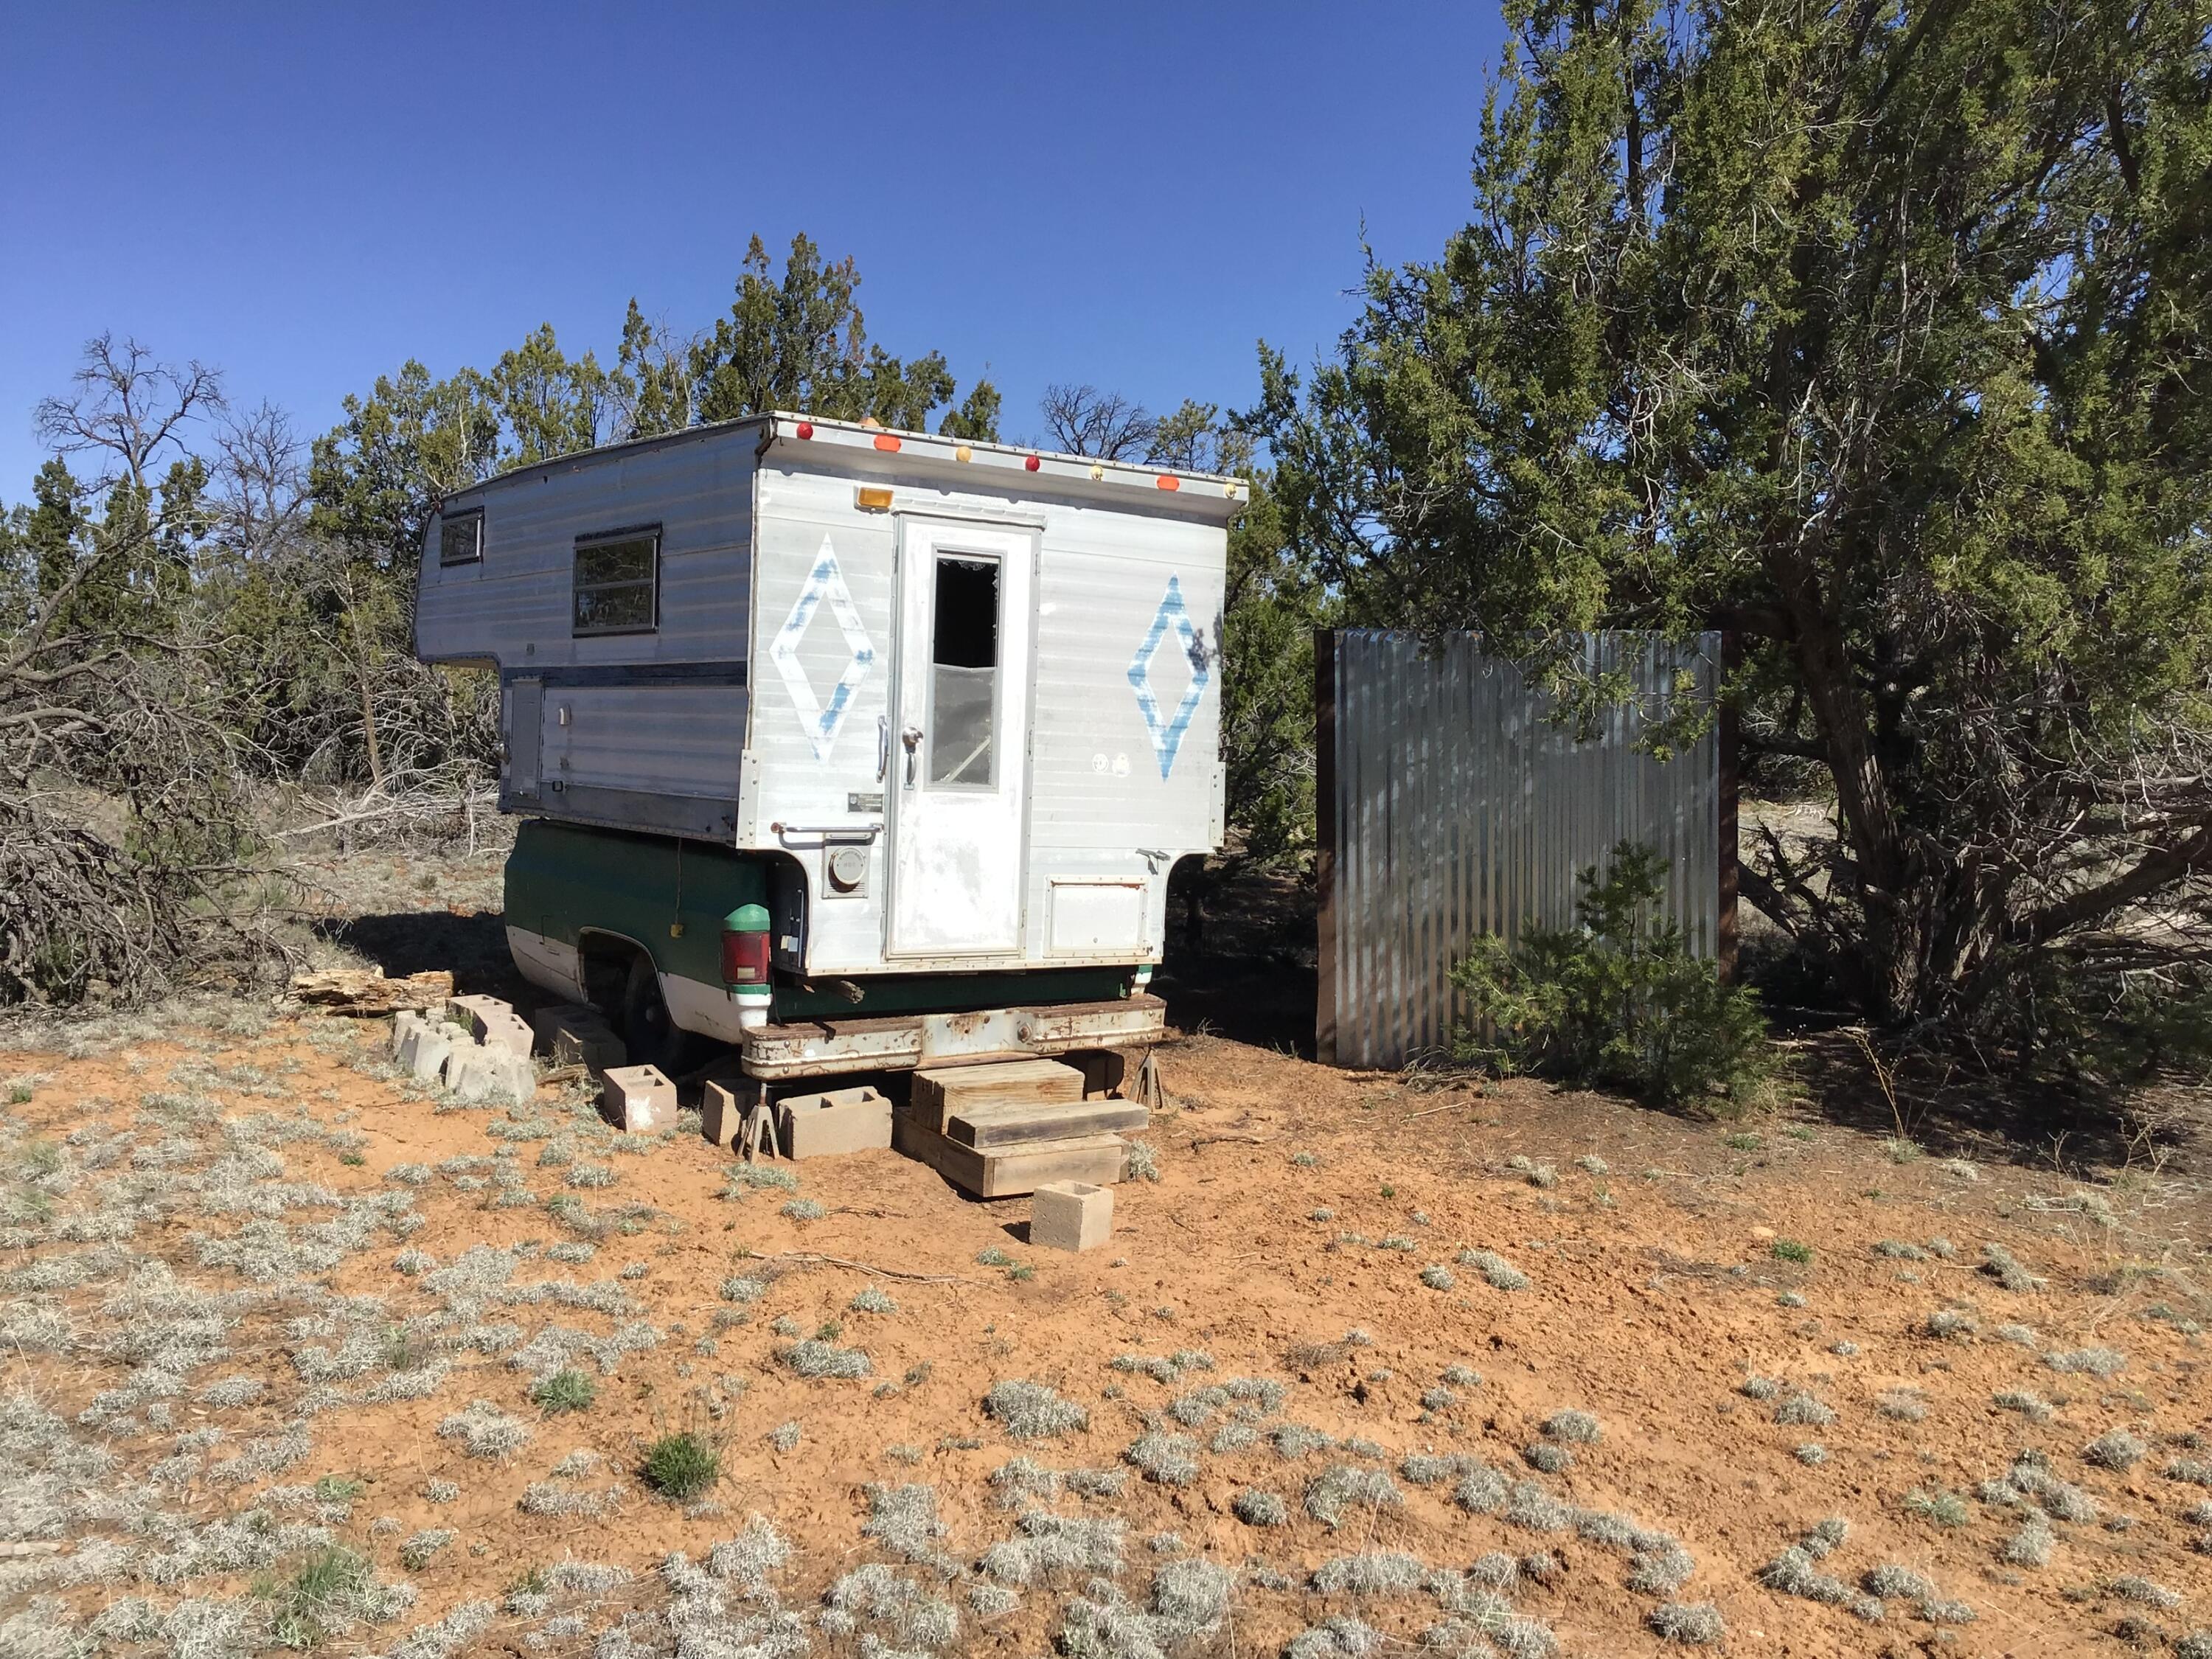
column 306, row 196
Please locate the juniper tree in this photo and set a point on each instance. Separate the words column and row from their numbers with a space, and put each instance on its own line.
column 1876, row 333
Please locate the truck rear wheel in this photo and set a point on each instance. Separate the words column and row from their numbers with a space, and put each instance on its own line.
column 651, row 1034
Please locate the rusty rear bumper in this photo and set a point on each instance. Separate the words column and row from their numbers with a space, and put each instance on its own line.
column 902, row 1041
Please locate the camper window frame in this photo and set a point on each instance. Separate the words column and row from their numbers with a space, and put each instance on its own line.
column 645, row 532
column 449, row 520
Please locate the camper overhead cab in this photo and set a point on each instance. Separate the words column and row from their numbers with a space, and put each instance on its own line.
column 859, row 749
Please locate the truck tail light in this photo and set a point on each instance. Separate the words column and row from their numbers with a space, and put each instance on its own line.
column 746, row 947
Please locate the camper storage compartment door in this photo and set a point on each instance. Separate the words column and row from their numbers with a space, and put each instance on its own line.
column 525, row 707
column 957, row 768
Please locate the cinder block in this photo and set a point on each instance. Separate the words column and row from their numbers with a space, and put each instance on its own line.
column 475, row 1073
column 722, row 1111
column 638, row 1098
column 590, row 1043
column 547, row 1021
column 426, row 1048
column 476, row 1011
column 404, row 1023
column 1072, row 1215
column 841, row 1120
column 507, row 1032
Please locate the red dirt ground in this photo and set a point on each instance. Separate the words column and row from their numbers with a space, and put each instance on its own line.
column 1654, row 1292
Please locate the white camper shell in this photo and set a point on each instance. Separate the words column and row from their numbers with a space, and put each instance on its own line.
column 963, row 699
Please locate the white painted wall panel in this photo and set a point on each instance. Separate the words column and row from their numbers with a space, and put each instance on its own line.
column 669, row 740
column 514, row 607
column 1099, row 804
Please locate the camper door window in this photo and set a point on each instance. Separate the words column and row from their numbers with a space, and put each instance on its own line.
column 618, row 582
column 963, row 676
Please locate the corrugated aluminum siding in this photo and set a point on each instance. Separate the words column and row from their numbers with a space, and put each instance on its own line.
column 1452, row 805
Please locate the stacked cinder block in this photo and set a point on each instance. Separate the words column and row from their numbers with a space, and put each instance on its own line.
column 577, row 1034
column 480, row 1052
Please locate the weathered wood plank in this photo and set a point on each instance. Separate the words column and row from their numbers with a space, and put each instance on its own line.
column 1098, row 1159
column 941, row 1091
column 987, row 1127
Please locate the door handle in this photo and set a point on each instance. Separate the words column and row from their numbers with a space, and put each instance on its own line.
column 911, row 736
column 882, row 747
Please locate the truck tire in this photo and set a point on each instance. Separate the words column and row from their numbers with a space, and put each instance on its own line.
column 651, row 1034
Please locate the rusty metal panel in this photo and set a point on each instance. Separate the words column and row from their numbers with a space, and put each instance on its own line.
column 1452, row 804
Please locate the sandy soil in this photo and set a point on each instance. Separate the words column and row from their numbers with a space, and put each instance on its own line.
column 1294, row 1204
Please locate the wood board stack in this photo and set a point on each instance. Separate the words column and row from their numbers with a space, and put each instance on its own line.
column 1009, row 1127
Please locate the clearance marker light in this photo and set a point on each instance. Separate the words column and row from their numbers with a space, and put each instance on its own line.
column 1032, row 464
column 873, row 499
column 1166, row 482
column 1096, row 470
column 886, row 442
column 804, row 428
column 963, row 453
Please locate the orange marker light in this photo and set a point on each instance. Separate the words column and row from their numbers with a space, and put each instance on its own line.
column 873, row 499
column 885, row 441
column 1166, row 482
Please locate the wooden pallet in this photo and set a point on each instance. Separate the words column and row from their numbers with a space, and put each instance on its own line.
column 1098, row 1159
column 988, row 1127
column 940, row 1092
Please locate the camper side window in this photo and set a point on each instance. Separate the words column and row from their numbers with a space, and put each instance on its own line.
column 964, row 674
column 461, row 538
column 618, row 582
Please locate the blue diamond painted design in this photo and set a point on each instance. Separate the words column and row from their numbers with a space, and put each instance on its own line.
column 821, row 722
column 1167, row 736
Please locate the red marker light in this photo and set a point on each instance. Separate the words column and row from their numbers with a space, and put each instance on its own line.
column 1166, row 482
column 885, row 441
column 804, row 428
column 1032, row 463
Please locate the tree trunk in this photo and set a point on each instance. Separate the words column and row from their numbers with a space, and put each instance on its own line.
column 1891, row 956
column 367, row 699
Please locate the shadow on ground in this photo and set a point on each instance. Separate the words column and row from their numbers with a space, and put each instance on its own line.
column 1244, row 967
column 471, row 945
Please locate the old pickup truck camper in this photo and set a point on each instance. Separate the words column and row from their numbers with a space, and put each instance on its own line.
column 859, row 749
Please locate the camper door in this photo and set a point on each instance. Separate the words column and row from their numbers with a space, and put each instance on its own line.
column 960, row 739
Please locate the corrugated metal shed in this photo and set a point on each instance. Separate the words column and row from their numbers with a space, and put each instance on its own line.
column 1452, row 804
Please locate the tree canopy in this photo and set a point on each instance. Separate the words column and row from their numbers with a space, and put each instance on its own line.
column 799, row 342
column 1878, row 335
